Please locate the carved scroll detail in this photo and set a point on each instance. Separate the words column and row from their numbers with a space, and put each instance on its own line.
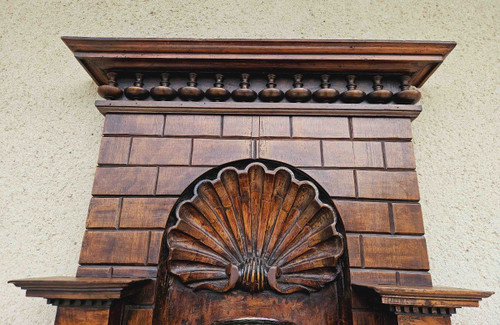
column 255, row 229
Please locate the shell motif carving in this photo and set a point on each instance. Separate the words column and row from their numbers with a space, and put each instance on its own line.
column 255, row 229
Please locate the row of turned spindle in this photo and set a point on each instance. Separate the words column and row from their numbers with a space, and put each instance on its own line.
column 326, row 94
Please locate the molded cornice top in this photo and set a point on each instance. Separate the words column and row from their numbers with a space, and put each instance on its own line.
column 419, row 59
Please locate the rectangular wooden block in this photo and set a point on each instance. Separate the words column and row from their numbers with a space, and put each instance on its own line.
column 239, row 126
column 423, row 320
column 124, row 181
column 373, row 276
column 92, row 271
column 154, row 247
column 415, row 278
column 381, row 128
column 387, row 185
column 352, row 154
column 399, row 155
column 299, row 153
column 360, row 216
column 145, row 212
column 338, row 183
column 408, row 218
column 114, row 150
column 133, row 124
column 394, row 252
column 193, row 125
column 320, row 127
column 353, row 247
column 103, row 212
column 160, row 151
column 134, row 271
column 274, row 126
column 174, row 180
column 82, row 316
column 214, row 152
column 139, row 316
column 114, row 247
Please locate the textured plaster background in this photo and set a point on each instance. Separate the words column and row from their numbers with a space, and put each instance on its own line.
column 49, row 129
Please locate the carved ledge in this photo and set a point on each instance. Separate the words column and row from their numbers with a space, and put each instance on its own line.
column 418, row 59
column 296, row 109
column 424, row 300
column 82, row 292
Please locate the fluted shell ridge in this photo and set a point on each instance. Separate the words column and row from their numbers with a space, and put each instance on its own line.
column 255, row 229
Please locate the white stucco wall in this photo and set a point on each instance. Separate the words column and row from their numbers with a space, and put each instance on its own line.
column 50, row 130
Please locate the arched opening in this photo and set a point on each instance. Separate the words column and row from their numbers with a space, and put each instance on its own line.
column 252, row 242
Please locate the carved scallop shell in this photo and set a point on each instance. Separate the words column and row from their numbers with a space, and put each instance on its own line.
column 255, row 229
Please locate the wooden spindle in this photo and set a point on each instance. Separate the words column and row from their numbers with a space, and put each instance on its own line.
column 163, row 91
column 271, row 93
column 325, row 94
column 379, row 95
column 110, row 91
column 191, row 92
column 244, row 93
column 352, row 94
column 408, row 94
column 137, row 92
column 298, row 93
column 218, row 93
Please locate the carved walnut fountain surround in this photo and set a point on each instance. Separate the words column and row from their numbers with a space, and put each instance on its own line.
column 255, row 182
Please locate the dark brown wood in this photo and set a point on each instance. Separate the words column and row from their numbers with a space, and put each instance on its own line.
column 325, row 94
column 271, row 93
column 110, row 90
column 257, row 229
column 379, row 95
column 191, row 92
column 218, row 93
column 298, row 93
column 163, row 91
column 268, row 109
column 352, row 94
column 137, row 91
column 244, row 93
column 407, row 95
column 416, row 58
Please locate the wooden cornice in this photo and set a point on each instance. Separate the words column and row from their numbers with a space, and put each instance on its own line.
column 418, row 59
column 296, row 109
column 429, row 297
column 80, row 288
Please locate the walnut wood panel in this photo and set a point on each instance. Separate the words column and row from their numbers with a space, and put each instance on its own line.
column 338, row 183
column 145, row 212
column 82, row 316
column 173, row 180
column 160, row 151
column 387, row 185
column 373, row 276
column 320, row 127
column 423, row 320
column 114, row 247
column 213, row 152
column 154, row 247
column 399, row 155
column 240, row 126
column 408, row 218
column 395, row 252
column 364, row 216
column 354, row 249
column 274, row 126
column 114, row 150
column 300, row 153
column 381, row 128
column 138, row 124
column 352, row 154
column 125, row 181
column 139, row 316
column 103, row 212
column 200, row 125
column 256, row 109
column 93, row 271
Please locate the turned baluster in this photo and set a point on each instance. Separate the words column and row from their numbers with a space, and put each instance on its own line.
column 352, row 94
column 408, row 93
column 298, row 93
column 325, row 94
column 137, row 92
column 271, row 93
column 244, row 93
column 218, row 93
column 191, row 92
column 110, row 91
column 379, row 95
column 163, row 91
